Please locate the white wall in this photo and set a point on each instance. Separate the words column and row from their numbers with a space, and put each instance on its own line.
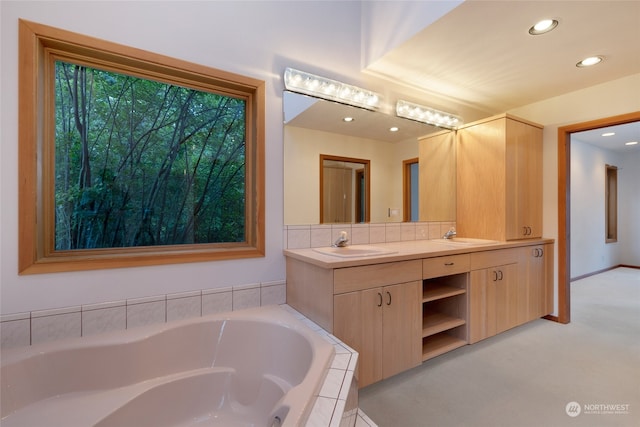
column 629, row 209
column 257, row 39
column 589, row 251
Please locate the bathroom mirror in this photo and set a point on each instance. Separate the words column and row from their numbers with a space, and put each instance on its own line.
column 314, row 126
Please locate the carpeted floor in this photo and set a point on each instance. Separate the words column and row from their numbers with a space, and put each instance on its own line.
column 530, row 375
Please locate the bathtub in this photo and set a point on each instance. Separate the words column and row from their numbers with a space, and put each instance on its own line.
column 253, row 367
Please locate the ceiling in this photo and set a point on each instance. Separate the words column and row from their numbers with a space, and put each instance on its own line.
column 623, row 134
column 481, row 53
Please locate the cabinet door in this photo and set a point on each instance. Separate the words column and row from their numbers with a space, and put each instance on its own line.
column 358, row 323
column 535, row 297
column 482, row 306
column 524, row 180
column 402, row 338
column 492, row 301
column 505, row 280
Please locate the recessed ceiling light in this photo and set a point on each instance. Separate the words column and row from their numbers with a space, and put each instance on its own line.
column 608, row 134
column 587, row 62
column 393, row 129
column 348, row 119
column 543, row 26
column 631, row 143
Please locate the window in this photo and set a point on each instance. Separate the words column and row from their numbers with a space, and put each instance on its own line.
column 130, row 158
column 611, row 204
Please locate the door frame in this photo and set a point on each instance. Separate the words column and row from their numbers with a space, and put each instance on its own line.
column 564, row 208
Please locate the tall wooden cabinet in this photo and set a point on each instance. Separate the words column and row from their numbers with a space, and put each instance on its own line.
column 499, row 179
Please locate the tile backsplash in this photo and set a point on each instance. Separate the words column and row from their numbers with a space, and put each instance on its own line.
column 21, row 329
column 314, row 236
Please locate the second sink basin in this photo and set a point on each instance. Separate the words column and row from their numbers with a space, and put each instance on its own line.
column 465, row 241
column 353, row 251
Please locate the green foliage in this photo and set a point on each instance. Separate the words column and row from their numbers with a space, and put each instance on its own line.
column 145, row 163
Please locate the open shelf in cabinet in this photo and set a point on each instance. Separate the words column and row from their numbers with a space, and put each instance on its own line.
column 434, row 322
column 436, row 292
column 444, row 314
column 440, row 343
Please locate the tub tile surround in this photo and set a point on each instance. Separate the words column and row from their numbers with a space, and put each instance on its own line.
column 20, row 329
column 320, row 235
column 337, row 402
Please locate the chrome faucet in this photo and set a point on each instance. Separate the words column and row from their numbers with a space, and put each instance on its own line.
column 341, row 241
column 449, row 234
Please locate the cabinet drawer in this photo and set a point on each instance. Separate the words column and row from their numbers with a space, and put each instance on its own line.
column 488, row 259
column 369, row 276
column 445, row 265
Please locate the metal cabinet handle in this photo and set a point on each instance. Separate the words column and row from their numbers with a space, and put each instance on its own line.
column 501, row 276
column 389, row 300
column 495, row 276
column 380, row 302
column 449, row 263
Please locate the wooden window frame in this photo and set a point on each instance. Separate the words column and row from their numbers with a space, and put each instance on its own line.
column 37, row 43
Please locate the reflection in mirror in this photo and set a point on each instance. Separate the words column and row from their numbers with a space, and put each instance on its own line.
column 344, row 190
column 314, row 127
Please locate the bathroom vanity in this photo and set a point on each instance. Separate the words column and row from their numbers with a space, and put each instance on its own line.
column 399, row 304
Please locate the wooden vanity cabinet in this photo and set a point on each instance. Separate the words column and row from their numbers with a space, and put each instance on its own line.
column 376, row 311
column 493, row 293
column 499, row 179
column 382, row 325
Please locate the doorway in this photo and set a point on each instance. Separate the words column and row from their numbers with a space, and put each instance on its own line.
column 564, row 188
column 345, row 190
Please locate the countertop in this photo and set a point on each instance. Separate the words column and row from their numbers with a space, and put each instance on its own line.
column 403, row 251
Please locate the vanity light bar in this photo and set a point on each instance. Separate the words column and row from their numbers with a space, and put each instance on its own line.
column 321, row 87
column 428, row 115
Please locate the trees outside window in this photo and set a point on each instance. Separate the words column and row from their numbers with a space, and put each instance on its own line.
column 132, row 158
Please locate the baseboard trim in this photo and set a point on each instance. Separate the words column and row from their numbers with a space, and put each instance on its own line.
column 573, row 279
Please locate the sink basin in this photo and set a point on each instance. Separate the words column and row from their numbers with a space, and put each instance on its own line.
column 465, row 241
column 353, row 251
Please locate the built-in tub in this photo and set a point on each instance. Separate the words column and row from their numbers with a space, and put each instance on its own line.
column 254, row 367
